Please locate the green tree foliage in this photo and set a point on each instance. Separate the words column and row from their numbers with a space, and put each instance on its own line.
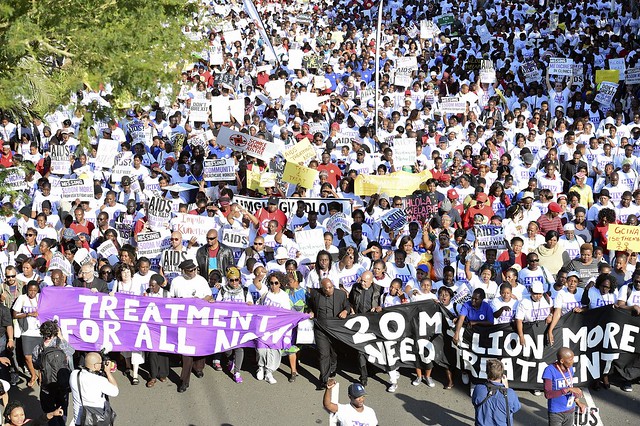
column 50, row 48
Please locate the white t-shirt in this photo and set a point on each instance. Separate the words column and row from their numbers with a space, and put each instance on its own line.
column 568, row 301
column 632, row 300
column 93, row 388
column 598, row 300
column 507, row 315
column 347, row 415
column 25, row 305
column 529, row 311
column 195, row 287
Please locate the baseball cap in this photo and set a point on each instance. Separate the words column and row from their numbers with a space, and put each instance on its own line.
column 537, row 288
column 527, row 158
column 604, row 193
column 527, row 194
column 233, row 272
column 482, row 197
column 273, row 200
column 356, row 390
column 424, row 268
column 555, row 207
column 569, row 227
column 281, row 254
column 452, row 194
column 573, row 274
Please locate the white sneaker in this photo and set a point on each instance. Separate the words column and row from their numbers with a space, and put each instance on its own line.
column 465, row 378
column 537, row 392
column 430, row 382
column 269, row 378
column 392, row 388
column 417, row 381
column 260, row 374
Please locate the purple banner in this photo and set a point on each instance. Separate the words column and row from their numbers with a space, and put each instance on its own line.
column 92, row 321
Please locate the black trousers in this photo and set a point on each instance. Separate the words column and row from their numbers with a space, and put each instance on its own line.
column 362, row 363
column 188, row 363
column 158, row 364
column 327, row 354
column 50, row 401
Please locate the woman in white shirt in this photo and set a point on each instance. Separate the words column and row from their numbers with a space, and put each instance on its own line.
column 125, row 284
column 569, row 299
column 321, row 270
column 504, row 306
column 483, row 280
column 347, row 270
column 394, row 297
column 26, row 308
column 380, row 276
column 603, row 293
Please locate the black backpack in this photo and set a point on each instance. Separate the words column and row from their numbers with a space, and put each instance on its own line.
column 55, row 368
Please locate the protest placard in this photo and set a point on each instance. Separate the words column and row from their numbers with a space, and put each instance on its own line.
column 488, row 75
column 60, row 161
column 219, row 169
column 607, row 75
column 483, row 33
column 578, row 75
column 402, row 78
column 472, row 63
column 216, row 55
column 618, row 64
column 397, row 183
column 137, row 133
column 107, row 151
column 159, row 213
column 199, row 110
column 312, row 62
column 404, row 152
column 553, row 21
column 444, row 19
column 490, row 237
column 289, row 205
column 561, row 66
column 235, row 238
column 299, row 175
column 623, row 237
column 394, row 219
column 123, row 166
column 225, row 79
column 151, row 244
column 60, row 263
column 267, row 180
column 276, row 89
column 242, row 142
column 530, row 71
column 428, row 29
column 606, row 93
column 222, row 112
column 300, row 152
column 73, row 189
column 452, row 105
column 108, row 251
column 338, row 221
column 421, row 207
column 191, row 225
column 310, row 243
column 633, row 76
column 15, row 179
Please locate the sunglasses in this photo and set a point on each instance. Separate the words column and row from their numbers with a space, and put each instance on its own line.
column 212, row 238
column 190, row 270
column 274, row 282
column 10, row 276
column 175, row 239
column 31, row 235
column 233, row 279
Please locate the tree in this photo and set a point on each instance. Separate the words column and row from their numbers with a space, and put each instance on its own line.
column 50, row 49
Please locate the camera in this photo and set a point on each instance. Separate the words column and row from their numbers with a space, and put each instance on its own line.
column 106, row 362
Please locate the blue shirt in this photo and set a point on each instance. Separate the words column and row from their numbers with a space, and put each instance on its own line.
column 493, row 412
column 561, row 403
column 483, row 313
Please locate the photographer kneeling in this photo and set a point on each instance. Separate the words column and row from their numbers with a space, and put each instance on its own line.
column 89, row 386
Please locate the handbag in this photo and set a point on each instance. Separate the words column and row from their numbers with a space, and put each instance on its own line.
column 94, row 416
column 23, row 323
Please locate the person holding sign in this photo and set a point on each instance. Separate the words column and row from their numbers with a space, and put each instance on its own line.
column 562, row 396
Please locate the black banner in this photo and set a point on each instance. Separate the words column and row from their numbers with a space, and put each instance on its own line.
column 604, row 340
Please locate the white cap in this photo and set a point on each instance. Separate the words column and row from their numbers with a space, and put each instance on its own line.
column 281, row 254
column 537, row 288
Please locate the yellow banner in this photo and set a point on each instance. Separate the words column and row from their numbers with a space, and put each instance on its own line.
column 300, row 152
column 299, row 175
column 607, row 75
column 398, row 183
column 623, row 237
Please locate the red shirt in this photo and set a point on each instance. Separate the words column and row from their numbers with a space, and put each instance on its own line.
column 334, row 173
column 264, row 216
column 6, row 160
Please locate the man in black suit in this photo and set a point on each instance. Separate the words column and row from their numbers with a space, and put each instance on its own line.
column 87, row 279
column 570, row 169
column 327, row 303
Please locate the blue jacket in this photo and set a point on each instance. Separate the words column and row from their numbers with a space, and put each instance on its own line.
column 493, row 412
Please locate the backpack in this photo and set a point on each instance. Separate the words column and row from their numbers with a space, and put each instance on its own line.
column 492, row 390
column 55, row 368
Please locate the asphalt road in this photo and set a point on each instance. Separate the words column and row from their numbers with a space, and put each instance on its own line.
column 217, row 400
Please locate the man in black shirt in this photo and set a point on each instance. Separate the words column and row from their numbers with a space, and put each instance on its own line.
column 327, row 303
column 364, row 297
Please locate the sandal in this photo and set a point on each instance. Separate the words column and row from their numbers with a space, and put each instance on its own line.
column 151, row 383
column 135, row 381
column 162, row 379
column 293, row 377
column 447, row 387
column 32, row 382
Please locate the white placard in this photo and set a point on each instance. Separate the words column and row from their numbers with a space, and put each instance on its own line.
column 276, row 89
column 191, row 225
column 618, row 64
column 310, row 243
column 561, row 66
column 452, row 105
column 199, row 110
column 60, row 161
column 404, row 152
column 221, row 113
column 73, row 189
column 107, row 151
column 235, row 238
column 606, row 93
column 632, row 76
column 159, row 213
column 241, row 142
column 123, row 166
column 219, row 169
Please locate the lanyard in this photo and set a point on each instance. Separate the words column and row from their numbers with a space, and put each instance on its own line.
column 568, row 382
